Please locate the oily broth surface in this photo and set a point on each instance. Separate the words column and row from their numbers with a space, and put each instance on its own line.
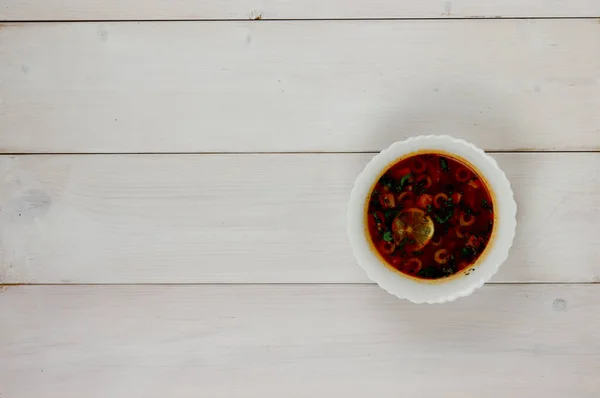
column 430, row 215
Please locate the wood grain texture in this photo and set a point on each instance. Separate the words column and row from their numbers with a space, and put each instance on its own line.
column 273, row 9
column 297, row 341
column 254, row 218
column 298, row 86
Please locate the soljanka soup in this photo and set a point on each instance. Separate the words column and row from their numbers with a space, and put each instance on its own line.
column 430, row 216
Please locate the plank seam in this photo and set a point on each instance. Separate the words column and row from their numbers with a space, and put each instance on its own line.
column 5, row 285
column 264, row 153
column 265, row 20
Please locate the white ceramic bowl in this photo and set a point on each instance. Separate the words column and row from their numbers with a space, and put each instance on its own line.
column 458, row 285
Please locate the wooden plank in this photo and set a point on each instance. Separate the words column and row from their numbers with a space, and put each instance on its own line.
column 298, row 86
column 299, row 341
column 253, row 218
column 43, row 10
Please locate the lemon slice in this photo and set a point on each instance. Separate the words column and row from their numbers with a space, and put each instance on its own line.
column 415, row 225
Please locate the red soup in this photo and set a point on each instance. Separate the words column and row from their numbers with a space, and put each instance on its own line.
column 430, row 216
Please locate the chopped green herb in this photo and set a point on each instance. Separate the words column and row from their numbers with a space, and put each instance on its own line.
column 444, row 219
column 451, row 266
column 447, row 271
column 377, row 219
column 486, row 205
column 468, row 252
column 444, row 164
column 386, row 181
column 417, row 253
column 374, row 200
column 403, row 243
column 429, row 209
column 387, row 236
column 403, row 182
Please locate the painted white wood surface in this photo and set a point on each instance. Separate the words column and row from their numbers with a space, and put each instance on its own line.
column 277, row 9
column 298, row 86
column 297, row 341
column 220, row 220
column 254, row 218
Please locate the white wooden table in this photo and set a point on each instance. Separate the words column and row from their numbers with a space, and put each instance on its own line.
column 174, row 177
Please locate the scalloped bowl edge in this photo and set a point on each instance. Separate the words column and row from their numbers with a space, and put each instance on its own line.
column 442, row 290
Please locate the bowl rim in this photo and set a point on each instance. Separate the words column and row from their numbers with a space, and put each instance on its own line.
column 446, row 289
